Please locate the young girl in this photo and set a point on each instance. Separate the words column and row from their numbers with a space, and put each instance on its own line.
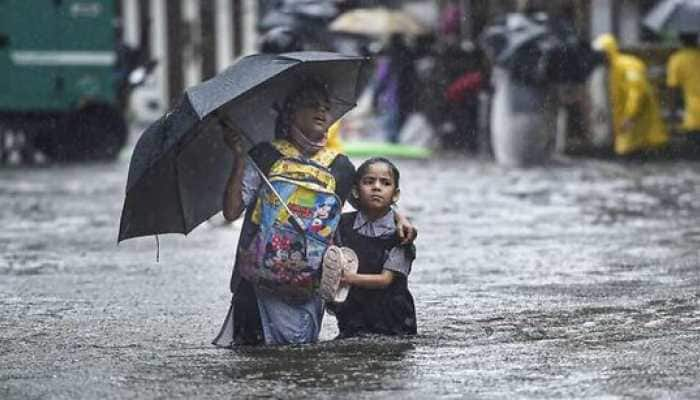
column 379, row 301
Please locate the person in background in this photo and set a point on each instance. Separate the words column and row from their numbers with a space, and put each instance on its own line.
column 460, row 76
column 636, row 118
column 682, row 77
column 395, row 90
column 462, row 97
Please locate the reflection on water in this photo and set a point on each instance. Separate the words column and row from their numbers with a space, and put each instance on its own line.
column 575, row 280
column 333, row 365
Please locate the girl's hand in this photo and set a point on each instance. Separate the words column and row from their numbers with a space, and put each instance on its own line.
column 367, row 281
column 347, row 278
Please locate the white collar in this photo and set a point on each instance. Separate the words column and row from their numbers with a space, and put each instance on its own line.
column 382, row 226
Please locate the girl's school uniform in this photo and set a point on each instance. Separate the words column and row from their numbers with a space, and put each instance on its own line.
column 387, row 311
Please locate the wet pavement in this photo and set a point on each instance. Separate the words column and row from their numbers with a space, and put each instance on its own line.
column 575, row 280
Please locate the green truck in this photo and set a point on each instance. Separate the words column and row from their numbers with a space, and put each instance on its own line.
column 63, row 76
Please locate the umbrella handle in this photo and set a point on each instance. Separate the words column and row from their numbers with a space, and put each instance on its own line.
column 227, row 123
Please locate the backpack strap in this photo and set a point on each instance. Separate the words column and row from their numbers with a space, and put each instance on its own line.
column 265, row 156
column 323, row 157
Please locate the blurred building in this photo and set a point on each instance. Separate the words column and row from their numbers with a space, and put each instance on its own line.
column 191, row 40
column 590, row 17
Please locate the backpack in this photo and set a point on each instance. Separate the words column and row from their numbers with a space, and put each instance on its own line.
column 285, row 255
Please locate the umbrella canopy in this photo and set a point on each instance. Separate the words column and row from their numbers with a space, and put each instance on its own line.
column 275, row 18
column 309, row 15
column 505, row 40
column 538, row 50
column 180, row 165
column 379, row 21
column 674, row 16
column 321, row 9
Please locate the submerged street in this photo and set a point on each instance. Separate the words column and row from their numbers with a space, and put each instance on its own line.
column 575, row 280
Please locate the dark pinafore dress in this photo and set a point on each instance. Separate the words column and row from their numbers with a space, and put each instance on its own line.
column 388, row 311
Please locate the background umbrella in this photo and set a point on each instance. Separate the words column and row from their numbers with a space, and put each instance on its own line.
column 503, row 41
column 307, row 18
column 275, row 18
column 180, row 164
column 538, row 50
column 320, row 9
column 377, row 21
column 675, row 16
column 300, row 15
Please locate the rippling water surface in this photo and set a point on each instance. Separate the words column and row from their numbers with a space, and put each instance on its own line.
column 575, row 280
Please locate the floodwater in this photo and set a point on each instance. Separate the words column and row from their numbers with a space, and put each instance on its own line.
column 576, row 280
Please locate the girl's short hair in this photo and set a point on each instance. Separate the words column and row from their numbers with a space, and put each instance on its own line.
column 309, row 90
column 364, row 167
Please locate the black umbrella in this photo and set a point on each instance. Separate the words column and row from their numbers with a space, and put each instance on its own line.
column 676, row 16
column 180, row 164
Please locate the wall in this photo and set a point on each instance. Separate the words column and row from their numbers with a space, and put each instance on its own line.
column 191, row 40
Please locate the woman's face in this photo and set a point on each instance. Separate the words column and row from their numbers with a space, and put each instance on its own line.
column 313, row 117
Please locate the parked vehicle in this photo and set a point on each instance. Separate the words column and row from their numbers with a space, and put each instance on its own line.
column 64, row 76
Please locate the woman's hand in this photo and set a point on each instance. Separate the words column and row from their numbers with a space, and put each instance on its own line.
column 232, row 135
column 405, row 229
column 233, row 201
column 233, row 141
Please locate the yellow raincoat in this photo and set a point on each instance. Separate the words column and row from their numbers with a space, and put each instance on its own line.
column 334, row 141
column 682, row 73
column 632, row 99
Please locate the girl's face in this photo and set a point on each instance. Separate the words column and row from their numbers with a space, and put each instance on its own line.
column 376, row 190
column 313, row 117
